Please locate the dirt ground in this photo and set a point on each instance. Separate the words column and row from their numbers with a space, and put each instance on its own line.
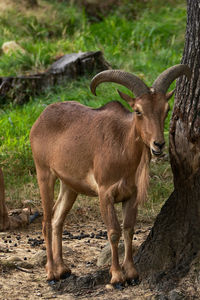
column 22, row 260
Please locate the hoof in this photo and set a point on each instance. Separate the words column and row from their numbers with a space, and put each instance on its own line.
column 61, row 272
column 65, row 275
column 119, row 286
column 117, row 277
column 51, row 282
column 133, row 282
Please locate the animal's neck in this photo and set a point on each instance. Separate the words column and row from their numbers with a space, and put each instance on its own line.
column 139, row 156
column 141, row 159
column 134, row 144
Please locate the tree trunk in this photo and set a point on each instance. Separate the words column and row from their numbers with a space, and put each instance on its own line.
column 173, row 244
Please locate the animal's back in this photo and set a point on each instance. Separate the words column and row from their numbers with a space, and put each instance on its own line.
column 60, row 117
column 70, row 139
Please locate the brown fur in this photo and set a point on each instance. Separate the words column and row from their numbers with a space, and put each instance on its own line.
column 142, row 177
column 101, row 152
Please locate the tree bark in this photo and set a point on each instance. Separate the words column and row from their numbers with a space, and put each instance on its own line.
column 174, row 241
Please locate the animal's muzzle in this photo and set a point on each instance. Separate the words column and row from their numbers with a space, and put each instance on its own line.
column 156, row 153
column 157, row 148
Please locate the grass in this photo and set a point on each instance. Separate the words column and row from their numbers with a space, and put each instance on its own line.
column 144, row 39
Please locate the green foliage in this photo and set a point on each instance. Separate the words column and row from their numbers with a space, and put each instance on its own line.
column 140, row 37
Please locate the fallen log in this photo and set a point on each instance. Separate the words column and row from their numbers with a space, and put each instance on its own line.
column 19, row 89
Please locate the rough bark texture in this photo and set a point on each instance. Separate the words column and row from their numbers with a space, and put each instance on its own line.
column 174, row 241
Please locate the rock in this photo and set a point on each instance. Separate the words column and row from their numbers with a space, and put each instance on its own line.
column 3, row 247
column 14, row 261
column 176, row 295
column 39, row 258
column 105, row 255
column 12, row 46
column 11, row 261
column 109, row 287
column 77, row 283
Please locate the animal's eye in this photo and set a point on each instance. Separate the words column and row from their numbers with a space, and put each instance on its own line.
column 138, row 113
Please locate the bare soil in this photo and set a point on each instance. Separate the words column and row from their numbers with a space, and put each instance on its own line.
column 22, row 260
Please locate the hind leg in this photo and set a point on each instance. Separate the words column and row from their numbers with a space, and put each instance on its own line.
column 61, row 208
column 46, row 182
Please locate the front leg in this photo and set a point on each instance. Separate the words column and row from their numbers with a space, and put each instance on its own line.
column 114, row 232
column 129, row 219
column 61, row 208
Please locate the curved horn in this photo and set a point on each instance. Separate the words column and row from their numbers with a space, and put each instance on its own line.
column 162, row 83
column 132, row 82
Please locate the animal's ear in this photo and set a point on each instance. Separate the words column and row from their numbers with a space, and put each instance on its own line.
column 127, row 98
column 170, row 94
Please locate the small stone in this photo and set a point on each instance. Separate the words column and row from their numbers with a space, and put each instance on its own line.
column 109, row 287
column 105, row 255
column 12, row 46
column 39, row 258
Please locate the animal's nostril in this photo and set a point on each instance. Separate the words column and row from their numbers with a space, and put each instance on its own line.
column 159, row 145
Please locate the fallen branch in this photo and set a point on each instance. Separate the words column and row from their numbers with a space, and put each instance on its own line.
column 24, row 270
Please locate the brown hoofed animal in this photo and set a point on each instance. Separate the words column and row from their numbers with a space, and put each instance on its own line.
column 8, row 222
column 102, row 152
